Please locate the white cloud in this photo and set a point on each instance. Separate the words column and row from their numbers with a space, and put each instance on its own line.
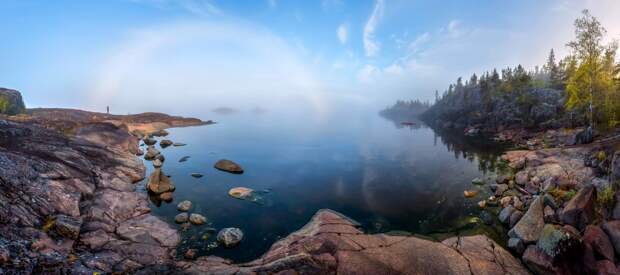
column 416, row 44
column 343, row 33
column 367, row 74
column 371, row 46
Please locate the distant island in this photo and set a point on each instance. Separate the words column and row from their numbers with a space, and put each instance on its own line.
column 405, row 111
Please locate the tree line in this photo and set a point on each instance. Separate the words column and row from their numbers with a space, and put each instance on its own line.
column 589, row 75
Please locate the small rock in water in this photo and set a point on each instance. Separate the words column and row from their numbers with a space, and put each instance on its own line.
column 477, row 181
column 157, row 163
column 181, row 218
column 228, row 166
column 165, row 143
column 149, row 141
column 140, row 152
column 184, row 206
column 151, row 153
column 470, row 193
column 197, row 175
column 230, row 237
column 482, row 204
column 197, row 219
column 178, row 144
column 159, row 133
column 241, row 193
column 166, row 196
column 184, row 159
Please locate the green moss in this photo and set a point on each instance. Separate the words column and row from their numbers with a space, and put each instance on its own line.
column 550, row 240
column 601, row 156
column 605, row 198
column 570, row 194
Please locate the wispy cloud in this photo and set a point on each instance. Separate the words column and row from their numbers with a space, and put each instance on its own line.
column 329, row 4
column 197, row 7
column 343, row 33
column 371, row 46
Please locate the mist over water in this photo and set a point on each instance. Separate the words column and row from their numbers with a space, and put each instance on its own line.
column 349, row 159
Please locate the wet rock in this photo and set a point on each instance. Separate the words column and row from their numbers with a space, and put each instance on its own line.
column 477, row 181
column 160, row 157
column 139, row 152
column 166, row 196
column 181, row 218
column 504, row 215
column 501, row 188
column 228, row 166
column 538, row 261
column 230, row 237
column 159, row 133
column 159, row 183
column 585, row 137
column 515, row 217
column 178, row 144
column 165, row 143
column 151, row 153
column 598, row 240
column 531, row 224
column 196, row 175
column 157, row 163
column 184, row 206
column 149, row 141
column 68, row 226
column 516, row 245
column 579, row 211
column 197, row 219
column 184, row 159
column 241, row 193
column 612, row 228
column 482, row 204
column 470, row 193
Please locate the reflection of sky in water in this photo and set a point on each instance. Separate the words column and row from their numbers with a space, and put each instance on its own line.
column 386, row 178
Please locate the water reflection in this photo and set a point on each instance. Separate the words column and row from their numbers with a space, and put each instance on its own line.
column 386, row 175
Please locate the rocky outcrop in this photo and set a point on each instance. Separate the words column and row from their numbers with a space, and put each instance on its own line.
column 68, row 203
column 332, row 244
column 11, row 102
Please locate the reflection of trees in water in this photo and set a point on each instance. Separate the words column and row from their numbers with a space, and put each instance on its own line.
column 480, row 148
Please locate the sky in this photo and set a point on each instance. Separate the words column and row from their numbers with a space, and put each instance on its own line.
column 188, row 56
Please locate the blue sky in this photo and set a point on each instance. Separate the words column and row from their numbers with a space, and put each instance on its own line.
column 140, row 55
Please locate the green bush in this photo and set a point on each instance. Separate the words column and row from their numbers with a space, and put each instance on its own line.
column 605, row 198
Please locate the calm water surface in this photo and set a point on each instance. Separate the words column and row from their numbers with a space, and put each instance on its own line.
column 387, row 177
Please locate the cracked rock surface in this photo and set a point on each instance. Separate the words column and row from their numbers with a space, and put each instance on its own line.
column 332, row 244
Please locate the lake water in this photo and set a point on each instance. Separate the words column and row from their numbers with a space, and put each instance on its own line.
column 385, row 176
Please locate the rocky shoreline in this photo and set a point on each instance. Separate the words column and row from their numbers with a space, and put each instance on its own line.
column 562, row 207
column 70, row 205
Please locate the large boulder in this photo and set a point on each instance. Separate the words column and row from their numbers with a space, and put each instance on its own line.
column 159, row 183
column 598, row 240
column 580, row 211
column 612, row 228
column 11, row 102
column 531, row 224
